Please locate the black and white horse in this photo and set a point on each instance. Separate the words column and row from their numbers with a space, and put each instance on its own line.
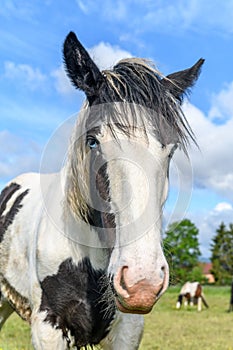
column 80, row 250
column 193, row 294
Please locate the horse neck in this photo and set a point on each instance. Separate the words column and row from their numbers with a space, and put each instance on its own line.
column 84, row 241
column 77, row 236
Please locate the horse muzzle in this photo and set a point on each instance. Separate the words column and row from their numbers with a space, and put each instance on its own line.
column 140, row 297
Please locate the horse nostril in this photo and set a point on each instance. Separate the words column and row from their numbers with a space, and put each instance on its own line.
column 162, row 272
column 122, row 280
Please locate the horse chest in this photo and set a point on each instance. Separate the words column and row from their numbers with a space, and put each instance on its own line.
column 73, row 301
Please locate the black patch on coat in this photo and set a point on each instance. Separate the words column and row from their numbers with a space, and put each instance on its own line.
column 5, row 196
column 100, row 216
column 73, row 301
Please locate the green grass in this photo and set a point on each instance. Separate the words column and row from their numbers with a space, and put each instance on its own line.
column 166, row 328
column 171, row 329
column 15, row 335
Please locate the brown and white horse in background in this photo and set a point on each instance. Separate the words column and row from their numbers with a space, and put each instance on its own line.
column 193, row 294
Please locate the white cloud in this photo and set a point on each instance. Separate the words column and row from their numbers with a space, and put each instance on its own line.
column 27, row 75
column 165, row 16
column 222, row 107
column 182, row 15
column 117, row 10
column 223, row 206
column 212, row 165
column 17, row 155
column 62, row 83
column 83, row 7
column 209, row 223
column 20, row 154
column 171, row 14
column 106, row 55
column 13, row 8
column 110, row 10
column 34, row 116
column 56, row 148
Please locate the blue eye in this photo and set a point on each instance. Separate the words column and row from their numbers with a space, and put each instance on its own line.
column 92, row 143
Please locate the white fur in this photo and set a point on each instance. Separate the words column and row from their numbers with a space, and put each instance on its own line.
column 189, row 287
column 137, row 173
column 199, row 302
column 126, row 333
column 45, row 337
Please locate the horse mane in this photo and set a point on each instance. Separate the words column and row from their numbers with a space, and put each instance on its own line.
column 133, row 85
column 138, row 82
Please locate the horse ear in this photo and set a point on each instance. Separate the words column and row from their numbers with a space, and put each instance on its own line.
column 80, row 68
column 180, row 82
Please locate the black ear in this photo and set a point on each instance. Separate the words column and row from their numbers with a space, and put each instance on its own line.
column 81, row 69
column 180, row 82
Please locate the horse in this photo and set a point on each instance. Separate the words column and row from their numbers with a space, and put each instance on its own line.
column 81, row 256
column 193, row 294
column 231, row 299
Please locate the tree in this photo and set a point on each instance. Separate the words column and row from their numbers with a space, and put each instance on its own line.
column 182, row 250
column 222, row 254
column 196, row 275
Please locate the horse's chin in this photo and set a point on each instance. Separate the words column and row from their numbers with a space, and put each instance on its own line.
column 128, row 310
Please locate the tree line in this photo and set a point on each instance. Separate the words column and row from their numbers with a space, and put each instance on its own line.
column 182, row 251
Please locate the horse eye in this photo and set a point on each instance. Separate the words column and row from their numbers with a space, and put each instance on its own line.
column 92, row 143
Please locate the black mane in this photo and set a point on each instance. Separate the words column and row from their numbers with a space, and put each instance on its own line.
column 138, row 86
column 134, row 81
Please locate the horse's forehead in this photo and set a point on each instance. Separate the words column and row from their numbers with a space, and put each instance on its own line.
column 133, row 137
column 127, row 114
column 129, row 119
column 139, row 149
column 123, row 132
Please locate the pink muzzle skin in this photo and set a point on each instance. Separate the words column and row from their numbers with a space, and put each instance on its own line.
column 138, row 298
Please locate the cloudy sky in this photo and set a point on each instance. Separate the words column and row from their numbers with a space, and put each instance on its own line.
column 36, row 98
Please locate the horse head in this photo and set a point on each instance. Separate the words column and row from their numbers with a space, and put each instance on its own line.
column 130, row 127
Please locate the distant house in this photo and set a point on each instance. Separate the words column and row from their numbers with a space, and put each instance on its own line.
column 206, row 270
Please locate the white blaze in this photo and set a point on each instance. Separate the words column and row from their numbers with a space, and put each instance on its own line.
column 137, row 172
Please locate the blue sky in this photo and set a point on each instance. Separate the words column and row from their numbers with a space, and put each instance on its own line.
column 35, row 96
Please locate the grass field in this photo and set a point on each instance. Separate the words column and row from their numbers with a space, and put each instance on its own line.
column 166, row 328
